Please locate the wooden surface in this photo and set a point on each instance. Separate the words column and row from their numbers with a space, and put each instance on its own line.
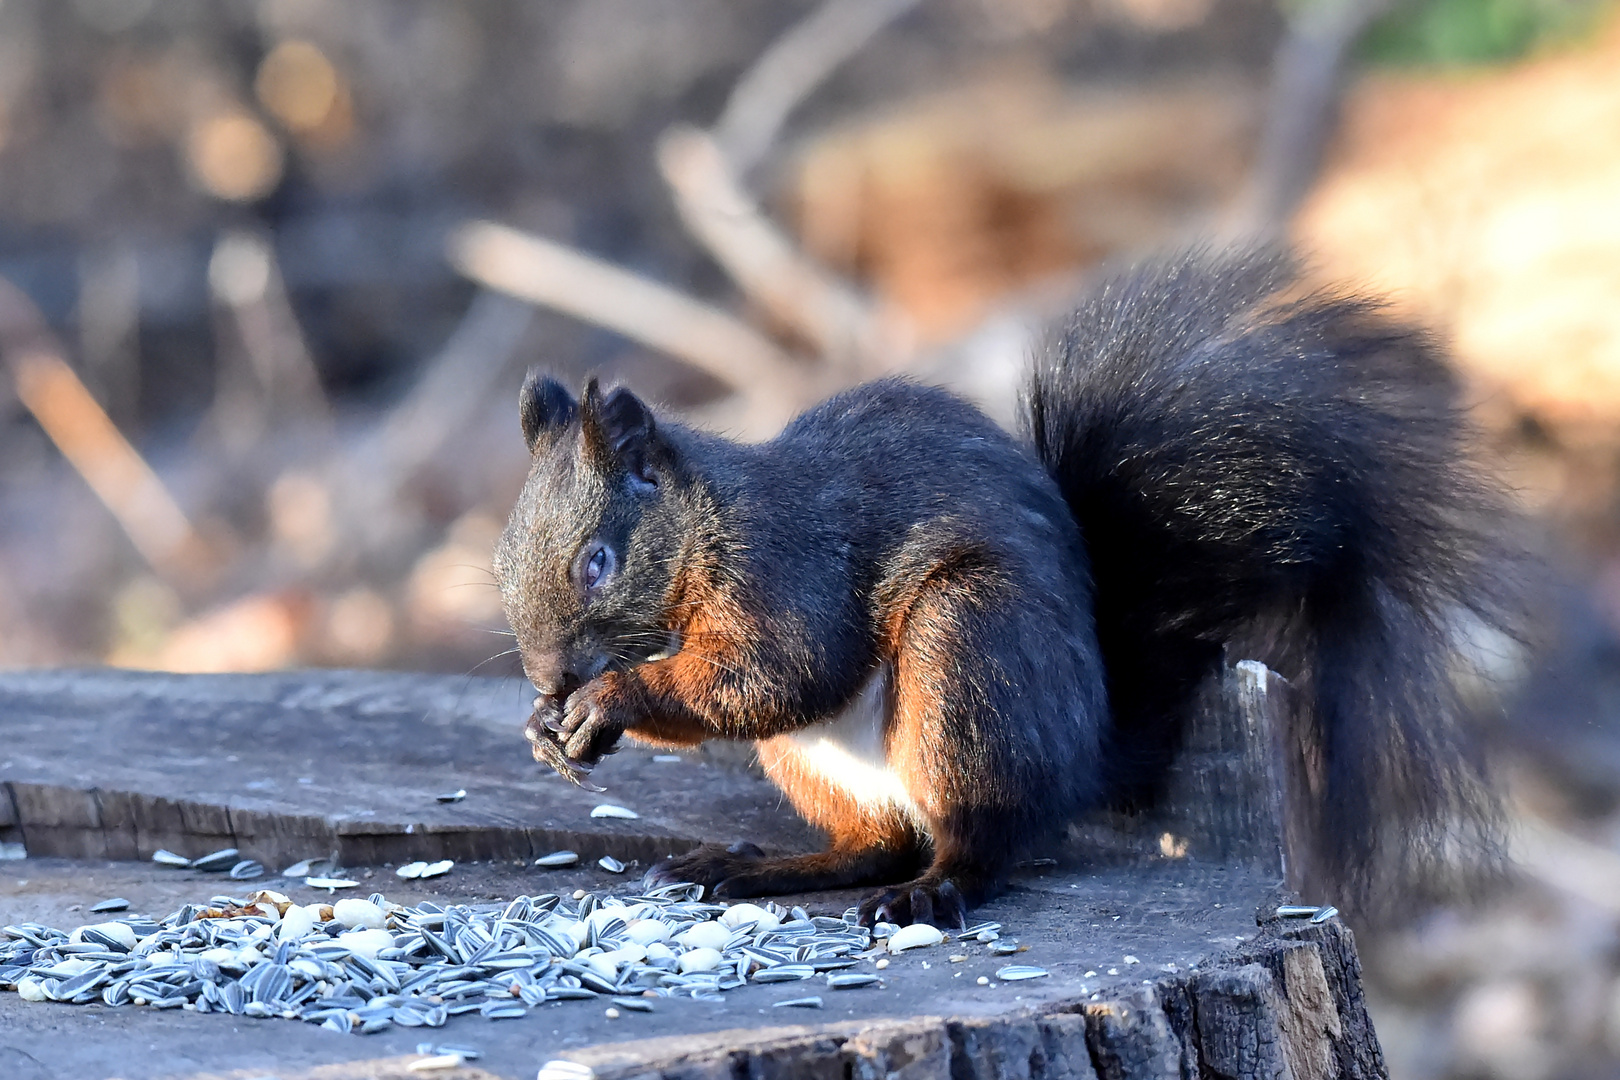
column 347, row 765
column 1208, row 986
column 1233, row 795
column 1157, row 967
column 1268, row 1009
column 1229, row 790
column 117, row 765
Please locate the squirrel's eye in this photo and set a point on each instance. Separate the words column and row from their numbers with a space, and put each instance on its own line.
column 595, row 567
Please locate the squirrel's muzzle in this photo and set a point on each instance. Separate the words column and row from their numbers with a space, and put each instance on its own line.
column 558, row 675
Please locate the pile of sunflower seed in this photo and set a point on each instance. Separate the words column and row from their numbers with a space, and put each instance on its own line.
column 365, row 965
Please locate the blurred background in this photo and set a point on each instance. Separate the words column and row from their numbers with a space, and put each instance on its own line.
column 271, row 272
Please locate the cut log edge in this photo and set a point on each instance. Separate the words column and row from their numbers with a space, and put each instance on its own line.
column 1287, row 1003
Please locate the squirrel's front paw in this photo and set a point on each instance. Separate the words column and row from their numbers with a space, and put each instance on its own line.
column 546, row 719
column 545, row 742
column 591, row 722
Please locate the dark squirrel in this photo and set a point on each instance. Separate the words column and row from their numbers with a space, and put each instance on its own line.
column 947, row 641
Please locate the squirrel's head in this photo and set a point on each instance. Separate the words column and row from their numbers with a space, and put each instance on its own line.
column 586, row 560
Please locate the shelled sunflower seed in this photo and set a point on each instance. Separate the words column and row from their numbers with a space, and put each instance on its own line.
column 364, row 966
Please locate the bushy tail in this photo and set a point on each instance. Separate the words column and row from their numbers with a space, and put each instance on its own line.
column 1282, row 473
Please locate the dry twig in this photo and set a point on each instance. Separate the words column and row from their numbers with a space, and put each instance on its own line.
column 812, row 303
column 705, row 171
column 787, row 72
column 815, row 303
column 1302, row 111
column 1564, row 861
column 451, row 391
column 547, row 273
column 246, row 283
column 92, row 444
column 446, row 400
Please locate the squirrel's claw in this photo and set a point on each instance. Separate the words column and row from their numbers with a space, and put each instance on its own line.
column 940, row 903
column 548, row 752
column 584, row 784
column 658, row 875
column 571, row 771
column 570, row 734
column 711, row 866
column 546, row 715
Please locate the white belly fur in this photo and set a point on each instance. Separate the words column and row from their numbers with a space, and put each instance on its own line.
column 847, row 751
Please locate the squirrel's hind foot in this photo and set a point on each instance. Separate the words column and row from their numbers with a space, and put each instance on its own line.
column 926, row 900
column 708, row 866
column 743, row 870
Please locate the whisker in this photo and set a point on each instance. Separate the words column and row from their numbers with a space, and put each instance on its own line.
column 617, row 651
column 513, row 651
column 467, row 679
column 718, row 664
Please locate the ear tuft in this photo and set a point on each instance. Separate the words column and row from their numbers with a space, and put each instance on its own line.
column 619, row 428
column 543, row 405
column 626, row 420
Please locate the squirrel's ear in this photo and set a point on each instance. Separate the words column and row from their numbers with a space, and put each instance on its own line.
column 619, row 428
column 543, row 404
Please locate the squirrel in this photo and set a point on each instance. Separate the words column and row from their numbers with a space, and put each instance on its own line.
column 947, row 641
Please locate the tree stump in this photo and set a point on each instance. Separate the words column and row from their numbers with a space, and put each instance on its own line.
column 1158, row 966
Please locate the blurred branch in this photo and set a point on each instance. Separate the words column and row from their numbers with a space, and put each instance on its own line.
column 705, row 170
column 546, row 273
column 447, row 397
column 245, row 281
column 92, row 444
column 790, row 70
column 1567, row 863
column 109, row 319
column 370, row 508
column 791, row 288
column 1309, row 77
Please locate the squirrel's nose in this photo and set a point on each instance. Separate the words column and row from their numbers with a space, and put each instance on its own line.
column 550, row 674
column 560, row 684
column 558, row 674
